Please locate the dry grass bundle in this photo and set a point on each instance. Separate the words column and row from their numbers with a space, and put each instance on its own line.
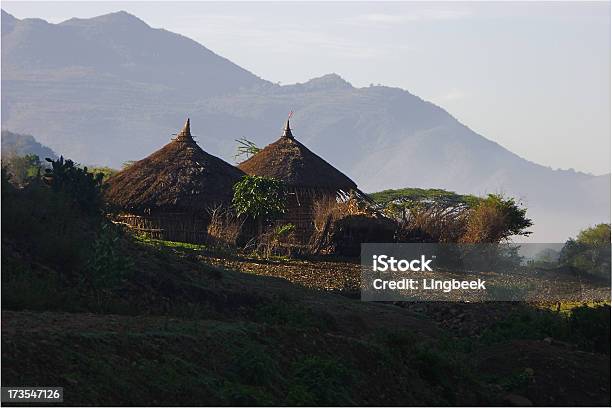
column 225, row 226
column 277, row 240
column 341, row 226
column 328, row 208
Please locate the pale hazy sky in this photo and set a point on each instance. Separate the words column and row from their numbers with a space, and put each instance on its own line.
column 534, row 77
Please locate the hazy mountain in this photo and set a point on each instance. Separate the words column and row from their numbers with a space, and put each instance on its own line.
column 15, row 144
column 110, row 89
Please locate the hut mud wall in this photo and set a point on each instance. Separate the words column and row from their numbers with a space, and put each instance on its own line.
column 300, row 212
column 180, row 227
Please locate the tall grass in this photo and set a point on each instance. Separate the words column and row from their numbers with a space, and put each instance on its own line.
column 225, row 226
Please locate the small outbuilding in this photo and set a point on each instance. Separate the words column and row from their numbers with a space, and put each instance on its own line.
column 307, row 177
column 168, row 194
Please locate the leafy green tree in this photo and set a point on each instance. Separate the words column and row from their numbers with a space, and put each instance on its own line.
column 515, row 215
column 23, row 169
column 260, row 198
column 496, row 219
column 401, row 203
column 78, row 183
column 435, row 215
column 589, row 252
column 597, row 236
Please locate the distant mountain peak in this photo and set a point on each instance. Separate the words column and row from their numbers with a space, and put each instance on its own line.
column 15, row 144
column 7, row 16
column 121, row 17
column 329, row 81
column 8, row 22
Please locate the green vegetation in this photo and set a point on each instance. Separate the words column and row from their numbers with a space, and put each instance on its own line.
column 106, row 172
column 589, row 252
column 160, row 243
column 22, row 169
column 246, row 149
column 135, row 321
column 56, row 222
column 495, row 219
column 320, row 381
column 201, row 335
column 587, row 327
column 80, row 185
column 434, row 215
column 260, row 198
column 107, row 265
column 411, row 197
column 597, row 236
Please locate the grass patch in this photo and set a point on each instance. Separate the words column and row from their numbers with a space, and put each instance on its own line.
column 320, row 381
column 281, row 313
column 588, row 327
column 157, row 243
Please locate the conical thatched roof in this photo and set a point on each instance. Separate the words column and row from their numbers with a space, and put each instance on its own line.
column 178, row 177
column 293, row 163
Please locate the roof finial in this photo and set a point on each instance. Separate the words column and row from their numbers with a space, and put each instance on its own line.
column 287, row 132
column 185, row 134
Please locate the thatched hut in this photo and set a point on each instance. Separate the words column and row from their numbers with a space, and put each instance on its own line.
column 168, row 194
column 307, row 176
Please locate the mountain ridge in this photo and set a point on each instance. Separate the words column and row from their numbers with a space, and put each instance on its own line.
column 132, row 87
column 14, row 144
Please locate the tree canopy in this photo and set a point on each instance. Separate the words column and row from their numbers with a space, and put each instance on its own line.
column 445, row 216
column 589, row 252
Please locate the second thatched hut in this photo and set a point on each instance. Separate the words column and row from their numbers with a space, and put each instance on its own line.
column 168, row 195
column 308, row 178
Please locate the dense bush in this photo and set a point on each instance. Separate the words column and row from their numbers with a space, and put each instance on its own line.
column 262, row 200
column 319, row 381
column 107, row 266
column 55, row 225
column 82, row 186
column 589, row 252
column 588, row 327
column 46, row 225
column 443, row 216
column 495, row 219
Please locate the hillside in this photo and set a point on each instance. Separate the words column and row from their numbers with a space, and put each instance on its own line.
column 111, row 89
column 121, row 320
column 14, row 144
